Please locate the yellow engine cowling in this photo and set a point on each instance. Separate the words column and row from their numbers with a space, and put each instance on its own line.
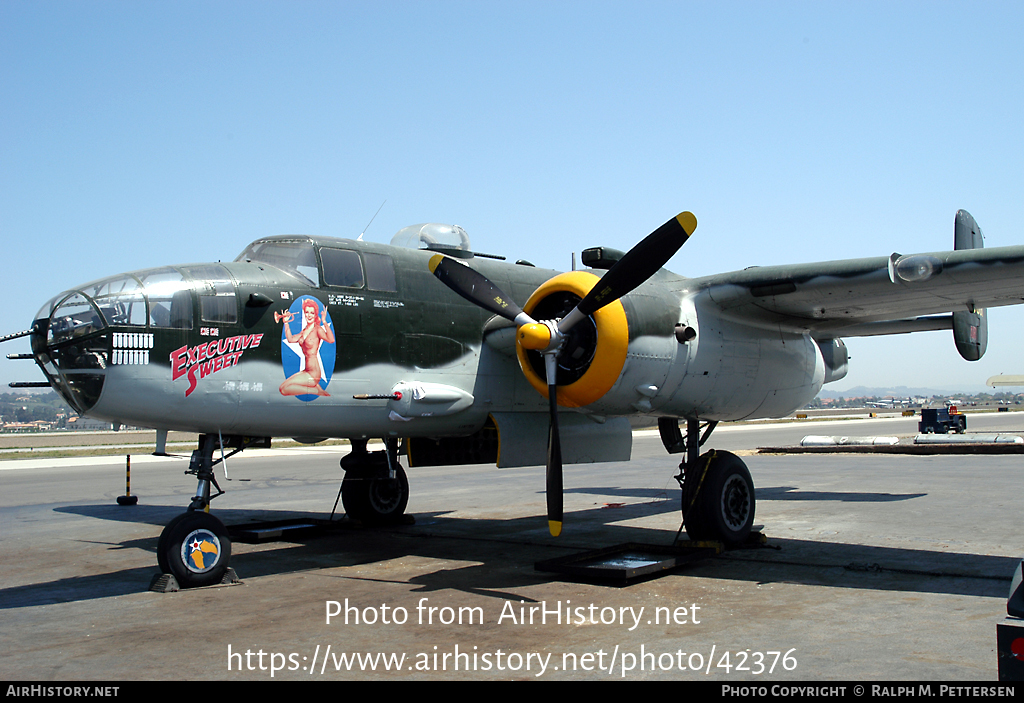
column 595, row 351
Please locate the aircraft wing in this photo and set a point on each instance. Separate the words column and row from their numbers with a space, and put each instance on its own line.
column 862, row 297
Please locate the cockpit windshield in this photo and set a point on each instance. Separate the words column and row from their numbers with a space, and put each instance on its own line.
column 295, row 257
column 119, row 299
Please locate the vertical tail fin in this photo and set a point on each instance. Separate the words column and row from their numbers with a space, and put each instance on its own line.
column 970, row 327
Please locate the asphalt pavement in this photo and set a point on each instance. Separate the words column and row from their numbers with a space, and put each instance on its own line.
column 878, row 568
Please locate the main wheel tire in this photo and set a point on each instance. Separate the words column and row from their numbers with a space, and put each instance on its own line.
column 375, row 500
column 195, row 548
column 724, row 506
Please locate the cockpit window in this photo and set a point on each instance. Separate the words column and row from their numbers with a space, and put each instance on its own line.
column 296, row 258
column 170, row 300
column 341, row 268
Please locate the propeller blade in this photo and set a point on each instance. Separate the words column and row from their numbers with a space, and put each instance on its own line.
column 640, row 263
column 475, row 287
column 554, row 468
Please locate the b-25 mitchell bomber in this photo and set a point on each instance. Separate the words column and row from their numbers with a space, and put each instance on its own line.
column 455, row 357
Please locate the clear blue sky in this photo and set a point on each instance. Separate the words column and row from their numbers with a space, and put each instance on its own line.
column 137, row 134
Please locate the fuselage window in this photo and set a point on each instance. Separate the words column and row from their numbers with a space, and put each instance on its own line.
column 380, row 272
column 216, row 294
column 341, row 268
column 219, row 308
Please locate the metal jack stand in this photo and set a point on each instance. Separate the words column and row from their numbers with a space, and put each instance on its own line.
column 127, row 498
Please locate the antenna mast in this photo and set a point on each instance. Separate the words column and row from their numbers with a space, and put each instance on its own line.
column 371, row 221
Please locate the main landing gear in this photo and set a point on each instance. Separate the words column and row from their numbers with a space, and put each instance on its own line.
column 718, row 493
column 375, row 489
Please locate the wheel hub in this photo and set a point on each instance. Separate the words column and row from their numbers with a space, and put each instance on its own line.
column 735, row 502
column 385, row 494
column 200, row 551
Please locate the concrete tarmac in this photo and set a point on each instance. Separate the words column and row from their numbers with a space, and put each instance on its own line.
column 881, row 568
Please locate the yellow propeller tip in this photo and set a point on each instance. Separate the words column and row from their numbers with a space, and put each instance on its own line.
column 435, row 261
column 688, row 221
column 555, row 527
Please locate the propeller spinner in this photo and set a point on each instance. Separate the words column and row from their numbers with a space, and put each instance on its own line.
column 640, row 263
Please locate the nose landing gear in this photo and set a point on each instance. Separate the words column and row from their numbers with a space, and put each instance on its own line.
column 195, row 547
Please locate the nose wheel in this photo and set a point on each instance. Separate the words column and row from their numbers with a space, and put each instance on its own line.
column 195, row 549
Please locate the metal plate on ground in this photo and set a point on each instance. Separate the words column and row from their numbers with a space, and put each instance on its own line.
column 278, row 530
column 625, row 563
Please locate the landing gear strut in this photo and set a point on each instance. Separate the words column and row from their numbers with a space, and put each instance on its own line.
column 718, row 493
column 195, row 547
column 375, row 489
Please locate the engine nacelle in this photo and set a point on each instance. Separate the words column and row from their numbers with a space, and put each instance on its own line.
column 733, row 371
column 594, row 351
